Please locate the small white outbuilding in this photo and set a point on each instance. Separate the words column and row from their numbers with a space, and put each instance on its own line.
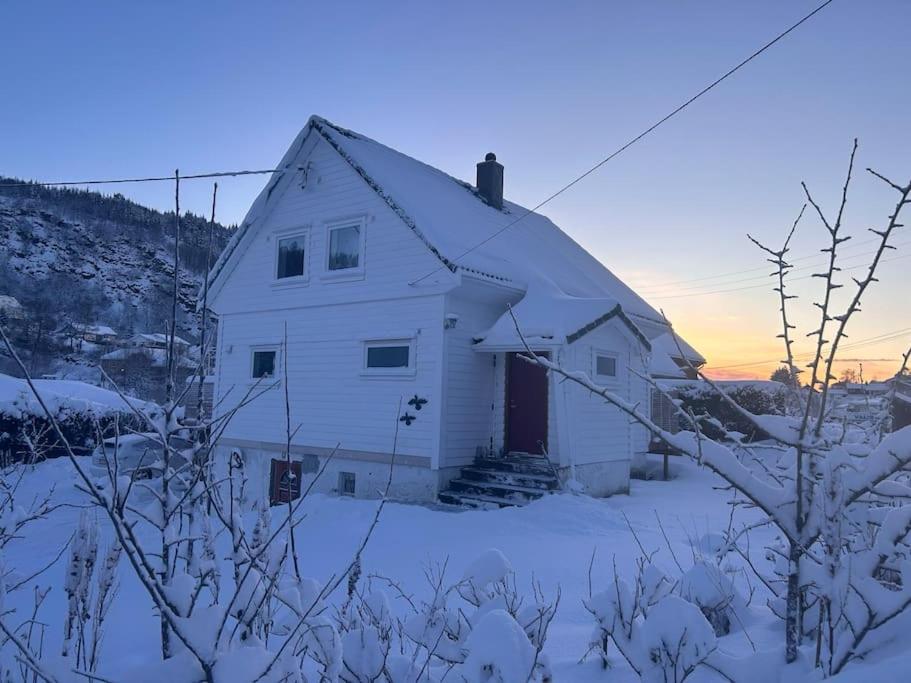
column 390, row 281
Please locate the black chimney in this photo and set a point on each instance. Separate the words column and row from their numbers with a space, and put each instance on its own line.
column 490, row 180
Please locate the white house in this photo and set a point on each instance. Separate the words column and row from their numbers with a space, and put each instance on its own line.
column 391, row 280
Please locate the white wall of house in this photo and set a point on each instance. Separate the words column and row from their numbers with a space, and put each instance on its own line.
column 329, row 319
column 470, row 378
column 601, row 439
column 334, row 192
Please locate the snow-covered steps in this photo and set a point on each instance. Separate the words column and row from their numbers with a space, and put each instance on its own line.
column 500, row 482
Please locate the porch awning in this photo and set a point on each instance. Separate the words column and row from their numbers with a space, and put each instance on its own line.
column 548, row 319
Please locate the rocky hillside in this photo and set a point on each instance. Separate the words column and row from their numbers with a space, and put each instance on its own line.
column 84, row 257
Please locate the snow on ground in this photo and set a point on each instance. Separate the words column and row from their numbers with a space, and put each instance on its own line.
column 551, row 540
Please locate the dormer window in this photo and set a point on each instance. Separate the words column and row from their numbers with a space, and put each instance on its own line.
column 605, row 366
column 291, row 257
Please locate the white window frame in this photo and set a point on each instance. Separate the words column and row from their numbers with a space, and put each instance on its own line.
column 346, row 273
column 606, row 354
column 406, row 372
column 302, row 232
column 261, row 349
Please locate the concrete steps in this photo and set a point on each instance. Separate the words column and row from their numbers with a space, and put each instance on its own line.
column 515, row 479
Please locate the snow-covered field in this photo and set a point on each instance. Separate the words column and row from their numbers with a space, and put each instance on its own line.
column 550, row 541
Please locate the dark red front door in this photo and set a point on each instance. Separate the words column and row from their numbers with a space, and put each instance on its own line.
column 526, row 406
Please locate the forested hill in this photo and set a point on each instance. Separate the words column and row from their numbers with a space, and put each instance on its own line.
column 78, row 256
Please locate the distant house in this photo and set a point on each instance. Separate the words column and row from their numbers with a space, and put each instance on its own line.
column 901, row 402
column 157, row 340
column 873, row 388
column 10, row 309
column 391, row 281
column 79, row 333
column 141, row 366
column 191, row 397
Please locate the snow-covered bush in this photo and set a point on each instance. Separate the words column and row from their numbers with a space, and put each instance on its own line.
column 766, row 398
column 498, row 651
column 441, row 632
column 712, row 591
column 677, row 640
column 660, row 635
column 838, row 564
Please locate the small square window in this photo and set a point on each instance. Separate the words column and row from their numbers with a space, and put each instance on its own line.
column 291, row 253
column 388, row 356
column 346, row 483
column 606, row 366
column 345, row 247
column 263, row 364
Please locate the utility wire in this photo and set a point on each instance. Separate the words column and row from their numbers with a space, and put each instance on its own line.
column 703, row 289
column 762, row 286
column 115, row 181
column 861, row 343
column 636, row 139
column 684, row 284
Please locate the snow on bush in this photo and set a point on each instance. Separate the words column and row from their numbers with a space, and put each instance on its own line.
column 498, row 651
column 706, row 586
column 660, row 635
column 489, row 568
column 677, row 639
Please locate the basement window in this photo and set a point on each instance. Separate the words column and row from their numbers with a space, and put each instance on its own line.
column 263, row 365
column 346, row 483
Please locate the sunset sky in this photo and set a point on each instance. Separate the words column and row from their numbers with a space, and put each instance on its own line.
column 143, row 88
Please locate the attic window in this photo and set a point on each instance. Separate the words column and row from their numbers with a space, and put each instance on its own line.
column 345, row 248
column 606, row 366
column 291, row 257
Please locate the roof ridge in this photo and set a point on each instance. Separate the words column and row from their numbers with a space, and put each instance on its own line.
column 319, row 123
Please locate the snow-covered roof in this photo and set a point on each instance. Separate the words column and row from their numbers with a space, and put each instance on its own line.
column 547, row 316
column 100, row 330
column 157, row 338
column 61, row 397
column 464, row 232
column 156, row 357
column 662, row 364
column 9, row 302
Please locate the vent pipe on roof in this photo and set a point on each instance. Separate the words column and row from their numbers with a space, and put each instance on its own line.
column 490, row 180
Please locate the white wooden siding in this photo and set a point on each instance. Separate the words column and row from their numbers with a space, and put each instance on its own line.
column 469, row 380
column 329, row 319
column 598, row 431
column 332, row 398
column 393, row 256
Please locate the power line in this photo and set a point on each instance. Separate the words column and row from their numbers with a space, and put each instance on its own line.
column 762, row 286
column 154, row 179
column 764, row 269
column 801, row 269
column 636, row 139
column 860, row 343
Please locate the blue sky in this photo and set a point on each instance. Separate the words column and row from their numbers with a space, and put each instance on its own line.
column 108, row 89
